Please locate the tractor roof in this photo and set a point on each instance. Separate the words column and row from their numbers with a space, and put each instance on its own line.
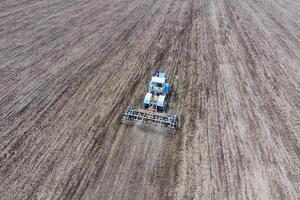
column 158, row 79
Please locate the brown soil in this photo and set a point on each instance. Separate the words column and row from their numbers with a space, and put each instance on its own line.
column 68, row 69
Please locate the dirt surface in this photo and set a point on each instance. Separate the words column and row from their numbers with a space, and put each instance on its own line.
column 69, row 68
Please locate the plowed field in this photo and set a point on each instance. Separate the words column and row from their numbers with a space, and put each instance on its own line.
column 68, row 69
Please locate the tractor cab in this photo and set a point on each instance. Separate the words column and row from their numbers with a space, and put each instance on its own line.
column 158, row 85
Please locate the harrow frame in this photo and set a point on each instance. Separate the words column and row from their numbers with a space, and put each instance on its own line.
column 150, row 118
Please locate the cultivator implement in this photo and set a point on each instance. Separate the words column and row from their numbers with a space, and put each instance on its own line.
column 150, row 118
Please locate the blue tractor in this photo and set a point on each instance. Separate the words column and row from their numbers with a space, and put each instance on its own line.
column 157, row 95
column 155, row 105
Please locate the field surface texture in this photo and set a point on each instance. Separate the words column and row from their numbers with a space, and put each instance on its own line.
column 68, row 69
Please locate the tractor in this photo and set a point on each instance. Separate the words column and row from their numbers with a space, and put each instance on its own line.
column 155, row 105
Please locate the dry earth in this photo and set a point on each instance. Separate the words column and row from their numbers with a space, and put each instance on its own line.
column 69, row 68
